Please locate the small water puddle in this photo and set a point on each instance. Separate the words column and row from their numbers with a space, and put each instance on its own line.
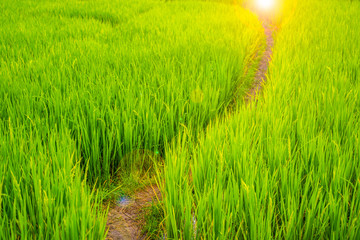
column 124, row 201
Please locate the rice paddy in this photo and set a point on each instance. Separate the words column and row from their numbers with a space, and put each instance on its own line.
column 99, row 98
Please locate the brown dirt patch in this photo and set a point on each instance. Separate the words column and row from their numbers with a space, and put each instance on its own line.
column 125, row 219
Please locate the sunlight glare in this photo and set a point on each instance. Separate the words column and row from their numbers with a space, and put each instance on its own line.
column 265, row 4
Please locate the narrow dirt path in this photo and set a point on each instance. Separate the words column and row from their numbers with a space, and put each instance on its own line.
column 125, row 219
column 260, row 75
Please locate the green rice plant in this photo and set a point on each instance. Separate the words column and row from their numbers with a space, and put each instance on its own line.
column 43, row 194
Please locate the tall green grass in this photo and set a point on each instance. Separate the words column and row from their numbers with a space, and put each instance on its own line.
column 85, row 84
column 286, row 167
column 121, row 76
column 43, row 192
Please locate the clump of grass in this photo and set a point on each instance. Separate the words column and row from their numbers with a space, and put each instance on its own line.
column 43, row 193
column 154, row 221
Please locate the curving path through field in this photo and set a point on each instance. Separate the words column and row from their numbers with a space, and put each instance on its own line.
column 125, row 217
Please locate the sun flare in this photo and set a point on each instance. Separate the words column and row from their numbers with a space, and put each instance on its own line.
column 265, row 4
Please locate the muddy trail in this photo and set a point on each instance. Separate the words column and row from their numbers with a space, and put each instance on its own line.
column 126, row 216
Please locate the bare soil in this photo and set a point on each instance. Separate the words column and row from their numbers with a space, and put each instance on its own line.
column 125, row 220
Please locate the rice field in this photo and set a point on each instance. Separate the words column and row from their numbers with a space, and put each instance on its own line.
column 287, row 166
column 98, row 97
